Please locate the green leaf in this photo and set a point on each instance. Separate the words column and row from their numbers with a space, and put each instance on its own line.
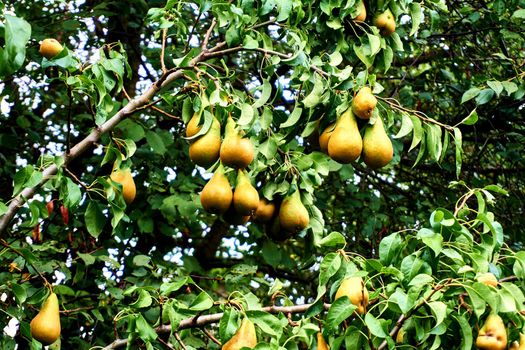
column 293, row 118
column 375, row 44
column 496, row 86
column 470, row 94
column 94, row 219
column 434, row 146
column 431, row 239
column 155, row 142
column 510, row 86
column 141, row 260
column 87, row 258
column 20, row 293
column 169, row 287
column 416, row 15
column 202, row 302
column 16, row 33
column 519, row 14
column 70, row 193
column 418, row 133
column 406, row 126
column 458, row 142
column 144, row 330
column 265, row 94
column 314, row 97
column 374, row 326
column 466, row 332
column 439, row 311
column 247, row 114
column 471, row 119
column 333, row 239
column 339, row 311
column 144, row 300
column 268, row 323
column 329, row 266
column 484, row 96
column 284, row 7
column 389, row 247
column 228, row 324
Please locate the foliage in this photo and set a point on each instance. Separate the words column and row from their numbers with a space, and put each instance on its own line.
column 450, row 87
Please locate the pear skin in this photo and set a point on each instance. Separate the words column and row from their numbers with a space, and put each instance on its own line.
column 244, row 337
column 364, row 103
column 493, row 334
column 377, row 147
column 488, row 279
column 204, row 151
column 45, row 327
column 125, row 179
column 362, row 12
column 245, row 196
column 345, row 143
column 325, row 137
column 265, row 211
column 293, row 215
column 49, row 48
column 386, row 23
column 193, row 126
column 216, row 196
column 235, row 152
column 354, row 288
column 321, row 343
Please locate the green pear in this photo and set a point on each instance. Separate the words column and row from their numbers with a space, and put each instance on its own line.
column 216, row 196
column 377, row 147
column 354, row 288
column 244, row 337
column 293, row 216
column 362, row 12
column 245, row 196
column 235, row 152
column 386, row 23
column 45, row 327
column 493, row 334
column 345, row 143
column 204, row 151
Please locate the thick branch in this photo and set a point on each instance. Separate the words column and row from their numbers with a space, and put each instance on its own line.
column 214, row 318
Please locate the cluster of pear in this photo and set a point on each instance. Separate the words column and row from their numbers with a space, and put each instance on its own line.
column 45, row 327
column 342, row 140
column 239, row 205
column 244, row 337
column 384, row 21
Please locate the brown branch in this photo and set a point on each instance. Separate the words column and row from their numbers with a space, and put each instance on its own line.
column 163, row 50
column 208, row 34
column 200, row 321
column 209, row 335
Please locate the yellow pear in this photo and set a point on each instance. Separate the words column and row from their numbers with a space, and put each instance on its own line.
column 325, row 137
column 377, row 147
column 293, row 216
column 400, row 337
column 244, row 337
column 45, row 327
column 493, row 334
column 345, row 143
column 204, row 151
column 265, row 211
column 235, row 152
column 364, row 103
column 216, row 196
column 321, row 343
column 362, row 12
column 518, row 346
column 354, row 288
column 245, row 196
column 49, row 48
column 386, row 23
column 193, row 126
column 125, row 179
column 488, row 279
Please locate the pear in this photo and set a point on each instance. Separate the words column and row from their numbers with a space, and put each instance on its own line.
column 244, row 337
column 204, row 151
column 45, row 327
column 493, row 335
column 265, row 211
column 193, row 126
column 354, row 288
column 518, row 346
column 325, row 137
column 345, row 143
column 49, row 48
column 386, row 23
column 488, row 279
column 377, row 147
column 400, row 337
column 216, row 196
column 362, row 12
column 125, row 179
column 321, row 343
column 235, row 152
column 245, row 197
column 293, row 216
column 364, row 103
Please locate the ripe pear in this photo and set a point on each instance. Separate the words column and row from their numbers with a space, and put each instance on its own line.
column 518, row 346
column 205, row 150
column 364, row 103
column 325, row 137
column 488, row 279
column 321, row 343
column 265, row 211
column 293, row 216
column 244, row 337
column 345, row 143
column 216, row 196
column 235, row 152
column 362, row 12
column 377, row 147
column 493, row 335
column 245, row 196
column 45, row 327
column 49, row 48
column 386, row 23
column 354, row 288
column 125, row 179
column 193, row 126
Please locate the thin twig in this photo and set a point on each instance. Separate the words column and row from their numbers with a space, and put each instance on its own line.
column 213, row 339
column 77, row 180
column 163, row 50
column 169, row 346
column 165, row 113
column 208, row 34
column 177, row 336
